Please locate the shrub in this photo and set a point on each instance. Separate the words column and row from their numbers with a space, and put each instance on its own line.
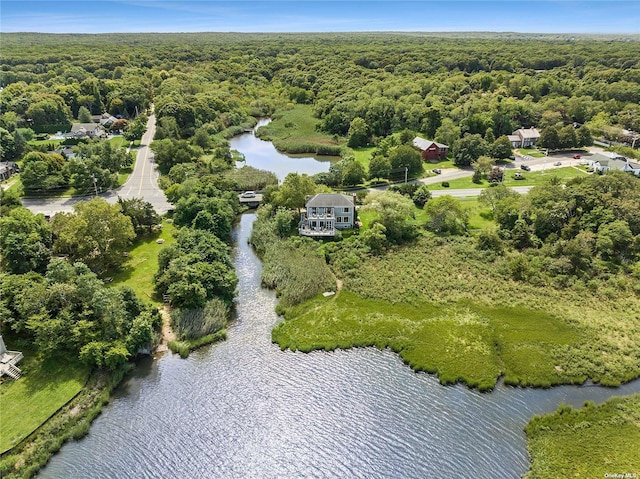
column 445, row 184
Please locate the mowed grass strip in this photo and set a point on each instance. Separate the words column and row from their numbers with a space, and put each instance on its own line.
column 530, row 178
column 595, row 441
column 137, row 272
column 461, row 342
column 45, row 386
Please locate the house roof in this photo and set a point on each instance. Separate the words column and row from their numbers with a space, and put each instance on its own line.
column 527, row 133
column 77, row 127
column 329, row 199
column 634, row 165
column 423, row 144
column 513, row 138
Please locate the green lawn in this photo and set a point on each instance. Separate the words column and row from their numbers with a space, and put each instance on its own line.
column 142, row 264
column 55, row 143
column 118, row 142
column 45, row 386
column 595, row 441
column 530, row 178
column 363, row 155
column 530, row 152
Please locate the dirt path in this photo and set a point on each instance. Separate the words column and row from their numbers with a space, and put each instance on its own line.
column 167, row 332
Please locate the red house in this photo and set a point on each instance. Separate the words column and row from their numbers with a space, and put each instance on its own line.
column 430, row 149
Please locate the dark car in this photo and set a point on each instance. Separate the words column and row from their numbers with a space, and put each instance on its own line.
column 437, row 171
column 525, row 167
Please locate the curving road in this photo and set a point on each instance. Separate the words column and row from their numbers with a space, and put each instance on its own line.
column 142, row 183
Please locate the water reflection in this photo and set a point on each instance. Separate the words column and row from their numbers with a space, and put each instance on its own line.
column 264, row 156
column 245, row 409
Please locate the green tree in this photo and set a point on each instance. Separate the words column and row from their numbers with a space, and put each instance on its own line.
column 379, row 167
column 583, row 137
column 358, row 133
column 468, row 149
column 549, row 138
column 353, row 174
column 405, row 156
column 567, row 137
column 421, row 196
column 84, row 115
column 294, row 190
column 97, row 234
column 446, row 215
column 501, row 148
column 135, row 129
column 141, row 213
column 393, row 211
column 25, row 241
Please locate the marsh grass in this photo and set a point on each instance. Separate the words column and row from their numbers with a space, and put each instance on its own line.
column 184, row 347
column 412, row 299
column 461, row 342
column 593, row 441
column 294, row 131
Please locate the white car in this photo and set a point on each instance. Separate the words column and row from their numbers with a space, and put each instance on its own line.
column 249, row 194
column 557, row 163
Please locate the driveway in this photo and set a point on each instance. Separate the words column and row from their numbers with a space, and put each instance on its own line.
column 142, row 183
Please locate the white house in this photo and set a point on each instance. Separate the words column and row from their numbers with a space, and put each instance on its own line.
column 601, row 162
column 325, row 213
column 86, row 130
column 524, row 137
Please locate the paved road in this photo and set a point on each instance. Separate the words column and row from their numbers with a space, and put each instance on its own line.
column 142, row 183
column 462, row 193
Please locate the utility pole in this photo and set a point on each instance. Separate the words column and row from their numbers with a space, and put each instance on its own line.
column 95, row 186
column 406, row 173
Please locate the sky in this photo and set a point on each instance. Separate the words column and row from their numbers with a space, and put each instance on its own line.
column 106, row 16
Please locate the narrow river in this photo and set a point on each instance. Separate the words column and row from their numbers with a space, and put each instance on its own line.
column 245, row 409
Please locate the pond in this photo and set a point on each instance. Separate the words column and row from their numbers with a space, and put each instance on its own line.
column 263, row 155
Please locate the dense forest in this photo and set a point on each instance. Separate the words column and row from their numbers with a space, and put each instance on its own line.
column 577, row 243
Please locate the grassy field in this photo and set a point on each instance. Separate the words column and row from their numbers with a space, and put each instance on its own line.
column 363, row 155
column 530, row 178
column 294, row 131
column 45, row 386
column 142, row 264
column 480, row 216
column 594, row 441
column 534, row 334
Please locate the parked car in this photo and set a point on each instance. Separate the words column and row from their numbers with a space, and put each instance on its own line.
column 249, row 194
column 437, row 171
column 525, row 167
column 557, row 163
column 576, row 156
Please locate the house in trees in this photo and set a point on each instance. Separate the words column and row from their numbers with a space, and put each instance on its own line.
column 86, row 130
column 8, row 361
column 325, row 213
column 430, row 150
column 602, row 162
column 8, row 168
column 524, row 138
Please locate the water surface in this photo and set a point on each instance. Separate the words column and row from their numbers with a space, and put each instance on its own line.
column 264, row 156
column 245, row 409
